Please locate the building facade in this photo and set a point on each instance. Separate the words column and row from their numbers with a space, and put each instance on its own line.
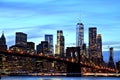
column 21, row 39
column 99, row 46
column 79, row 34
column 84, row 50
column 20, row 43
column 118, row 66
column 92, row 43
column 111, row 61
column 42, row 47
column 60, row 43
column 30, row 47
column 49, row 38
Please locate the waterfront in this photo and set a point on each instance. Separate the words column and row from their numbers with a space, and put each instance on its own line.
column 34, row 41
column 56, row 78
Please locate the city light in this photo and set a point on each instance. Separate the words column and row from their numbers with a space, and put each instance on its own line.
column 23, row 58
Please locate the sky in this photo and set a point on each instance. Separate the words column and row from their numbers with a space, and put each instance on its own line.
column 39, row 17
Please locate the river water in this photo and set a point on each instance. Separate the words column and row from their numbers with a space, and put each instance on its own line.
column 57, row 78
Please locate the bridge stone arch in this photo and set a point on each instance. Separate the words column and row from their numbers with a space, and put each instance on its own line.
column 73, row 52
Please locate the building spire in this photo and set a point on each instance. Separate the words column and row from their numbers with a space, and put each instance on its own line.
column 2, row 35
column 3, row 40
column 79, row 34
column 80, row 22
column 3, row 45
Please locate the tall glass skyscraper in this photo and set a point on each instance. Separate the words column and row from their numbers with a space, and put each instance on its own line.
column 60, row 43
column 92, row 42
column 79, row 34
column 49, row 39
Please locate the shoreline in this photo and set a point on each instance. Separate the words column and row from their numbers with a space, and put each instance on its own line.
column 117, row 75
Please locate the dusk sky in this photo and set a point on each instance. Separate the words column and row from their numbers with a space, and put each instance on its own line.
column 39, row 17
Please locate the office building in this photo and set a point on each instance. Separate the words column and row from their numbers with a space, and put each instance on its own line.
column 20, row 43
column 21, row 39
column 84, row 50
column 92, row 43
column 42, row 47
column 79, row 35
column 49, row 39
column 30, row 47
column 99, row 47
column 60, row 43
column 111, row 61
column 118, row 66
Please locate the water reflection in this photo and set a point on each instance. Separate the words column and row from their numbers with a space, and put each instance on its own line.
column 57, row 78
column 44, row 79
column 28, row 78
column 48, row 78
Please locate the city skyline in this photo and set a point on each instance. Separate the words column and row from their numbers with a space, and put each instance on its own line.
column 77, row 59
column 47, row 16
column 54, row 37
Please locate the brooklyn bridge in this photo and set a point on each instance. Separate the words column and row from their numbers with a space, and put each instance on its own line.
column 24, row 63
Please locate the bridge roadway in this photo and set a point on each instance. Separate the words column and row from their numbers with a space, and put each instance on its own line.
column 73, row 67
column 39, row 56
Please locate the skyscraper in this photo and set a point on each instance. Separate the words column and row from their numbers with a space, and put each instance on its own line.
column 99, row 46
column 3, row 45
column 111, row 61
column 42, row 47
column 92, row 43
column 60, row 43
column 21, row 43
column 118, row 66
column 31, row 47
column 80, row 35
column 21, row 39
column 49, row 39
column 84, row 50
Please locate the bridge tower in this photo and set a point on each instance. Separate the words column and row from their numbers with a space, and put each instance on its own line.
column 74, row 69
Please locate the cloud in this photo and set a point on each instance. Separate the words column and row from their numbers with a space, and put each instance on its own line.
column 58, row 7
column 117, row 47
column 39, row 17
column 71, row 44
column 111, row 42
column 114, row 44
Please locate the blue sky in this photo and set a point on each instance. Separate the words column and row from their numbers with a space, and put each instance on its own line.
column 40, row 17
